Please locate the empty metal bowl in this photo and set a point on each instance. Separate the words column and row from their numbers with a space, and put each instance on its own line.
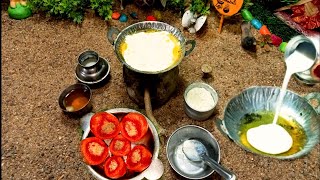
column 91, row 68
column 199, row 114
column 177, row 159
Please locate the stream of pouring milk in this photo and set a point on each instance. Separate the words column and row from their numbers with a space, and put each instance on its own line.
column 272, row 138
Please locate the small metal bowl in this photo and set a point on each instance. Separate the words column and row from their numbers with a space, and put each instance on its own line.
column 83, row 90
column 91, row 68
column 198, row 114
column 180, row 163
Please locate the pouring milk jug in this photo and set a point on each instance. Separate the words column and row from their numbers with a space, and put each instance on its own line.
column 273, row 138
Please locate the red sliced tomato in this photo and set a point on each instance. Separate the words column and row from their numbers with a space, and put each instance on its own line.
column 134, row 126
column 115, row 167
column 104, row 125
column 139, row 158
column 120, row 146
column 94, row 150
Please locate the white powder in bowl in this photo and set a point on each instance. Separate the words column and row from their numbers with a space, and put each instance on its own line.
column 200, row 99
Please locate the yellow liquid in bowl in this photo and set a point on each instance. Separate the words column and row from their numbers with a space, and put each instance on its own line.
column 295, row 130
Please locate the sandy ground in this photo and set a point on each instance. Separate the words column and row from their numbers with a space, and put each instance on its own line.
column 38, row 61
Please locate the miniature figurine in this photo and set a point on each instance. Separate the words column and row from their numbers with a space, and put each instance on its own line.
column 19, row 9
column 192, row 21
column 13, row 3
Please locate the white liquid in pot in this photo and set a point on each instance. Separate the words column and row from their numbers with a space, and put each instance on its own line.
column 151, row 51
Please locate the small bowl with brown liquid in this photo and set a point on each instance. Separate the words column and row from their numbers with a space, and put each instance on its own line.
column 75, row 99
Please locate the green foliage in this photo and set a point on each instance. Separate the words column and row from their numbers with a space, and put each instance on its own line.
column 246, row 4
column 72, row 9
column 274, row 4
column 103, row 7
column 275, row 25
column 200, row 7
column 176, row 4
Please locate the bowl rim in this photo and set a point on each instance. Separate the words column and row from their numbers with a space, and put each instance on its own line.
column 209, row 88
column 105, row 61
column 68, row 89
column 197, row 127
column 282, row 157
column 153, row 130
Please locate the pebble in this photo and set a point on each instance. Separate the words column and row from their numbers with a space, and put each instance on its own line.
column 264, row 30
column 282, row 46
column 276, row 40
column 123, row 18
column 247, row 16
column 115, row 15
column 256, row 24
column 134, row 15
column 151, row 18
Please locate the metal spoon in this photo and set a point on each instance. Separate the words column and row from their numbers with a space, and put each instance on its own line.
column 196, row 151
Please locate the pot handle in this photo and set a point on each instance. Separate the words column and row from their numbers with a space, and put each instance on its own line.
column 314, row 96
column 85, row 124
column 222, row 128
column 193, row 44
column 112, row 31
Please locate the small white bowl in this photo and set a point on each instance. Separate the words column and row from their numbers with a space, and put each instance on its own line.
column 201, row 113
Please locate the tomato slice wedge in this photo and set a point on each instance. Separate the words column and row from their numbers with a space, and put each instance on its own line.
column 120, row 146
column 104, row 125
column 115, row 167
column 94, row 150
column 139, row 158
column 134, row 126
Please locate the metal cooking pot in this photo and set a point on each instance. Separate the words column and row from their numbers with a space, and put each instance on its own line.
column 145, row 25
column 155, row 169
column 264, row 98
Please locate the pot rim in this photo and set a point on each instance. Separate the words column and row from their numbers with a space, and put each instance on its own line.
column 157, row 25
column 300, row 153
column 86, row 128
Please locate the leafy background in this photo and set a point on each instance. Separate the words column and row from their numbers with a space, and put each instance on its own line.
column 75, row 9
